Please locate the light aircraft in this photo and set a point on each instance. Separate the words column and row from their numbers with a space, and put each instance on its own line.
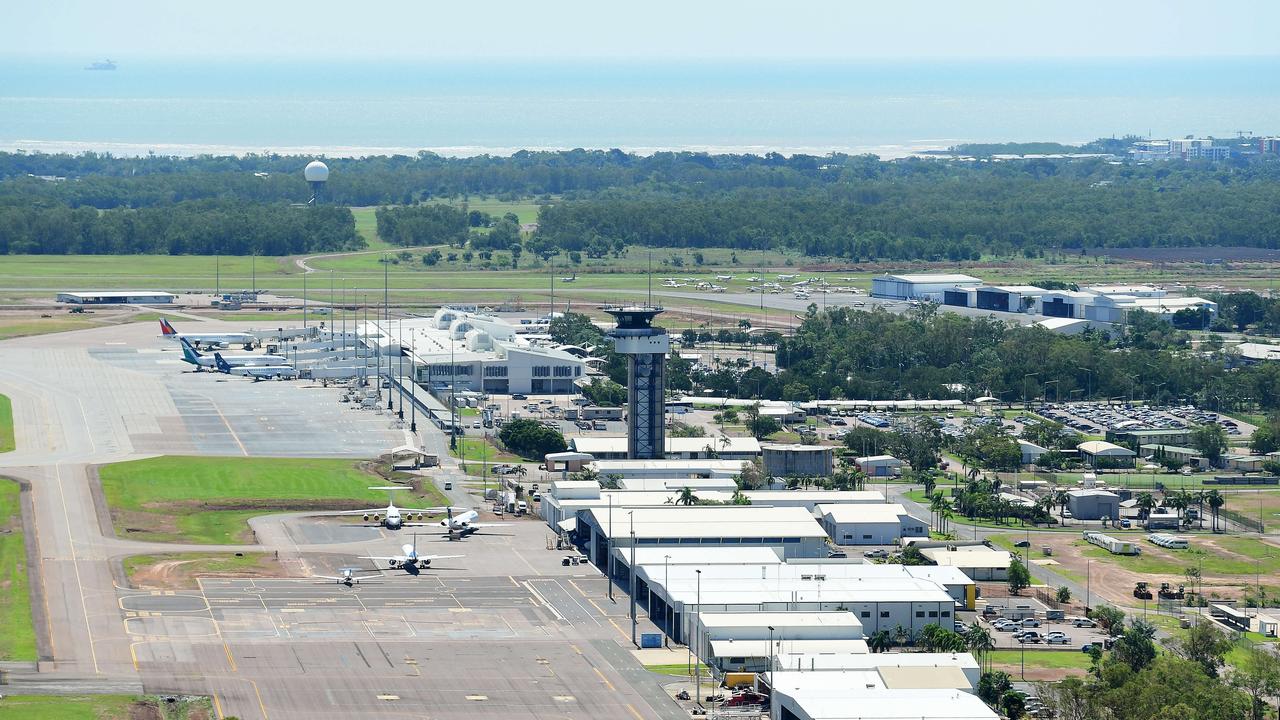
column 716, row 288
column 725, row 278
column 209, row 340
column 463, row 524
column 410, row 559
column 569, row 279
column 801, row 295
column 754, row 278
column 392, row 517
column 257, row 372
column 348, row 577
column 786, row 277
column 193, row 356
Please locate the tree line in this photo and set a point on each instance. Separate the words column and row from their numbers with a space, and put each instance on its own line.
column 925, row 354
column 204, row 227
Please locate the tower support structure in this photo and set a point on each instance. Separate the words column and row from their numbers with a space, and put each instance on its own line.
column 646, row 348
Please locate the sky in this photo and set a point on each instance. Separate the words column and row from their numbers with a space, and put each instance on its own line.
column 652, row 30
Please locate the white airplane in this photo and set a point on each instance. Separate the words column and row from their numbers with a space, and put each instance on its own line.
column 392, row 517
column 716, row 288
column 193, row 356
column 209, row 340
column 800, row 295
column 786, row 277
column 754, row 278
column 670, row 282
column 348, row 577
column 410, row 560
column 725, row 278
column 574, row 278
column 463, row 524
column 800, row 283
column 257, row 372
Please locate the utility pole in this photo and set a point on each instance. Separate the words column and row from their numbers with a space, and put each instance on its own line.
column 697, row 669
column 400, row 371
column 386, row 321
column 413, row 388
column 304, row 300
column 632, row 583
column 666, row 590
column 608, row 563
column 773, row 695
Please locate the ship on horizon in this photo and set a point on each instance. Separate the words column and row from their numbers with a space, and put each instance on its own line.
column 107, row 64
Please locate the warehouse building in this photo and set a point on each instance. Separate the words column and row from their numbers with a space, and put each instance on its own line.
column 1031, row 452
column 678, row 469
column 117, row 297
column 719, row 636
column 1006, row 298
column 790, row 530
column 879, row 465
column 677, row 448
column 1102, row 454
column 978, row 562
column 919, row 287
column 795, row 459
column 870, row 524
column 1093, row 504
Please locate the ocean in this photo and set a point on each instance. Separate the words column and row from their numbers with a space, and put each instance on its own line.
column 360, row 108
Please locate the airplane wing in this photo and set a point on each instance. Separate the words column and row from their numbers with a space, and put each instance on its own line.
column 438, row 557
column 488, row 525
column 385, row 558
column 354, row 578
column 432, row 511
column 361, row 512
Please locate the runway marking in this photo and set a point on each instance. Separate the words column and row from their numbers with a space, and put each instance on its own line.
column 217, row 706
column 575, row 648
column 223, row 418
column 75, row 564
column 604, row 679
column 615, row 627
column 538, row 596
column 53, row 650
column 634, row 713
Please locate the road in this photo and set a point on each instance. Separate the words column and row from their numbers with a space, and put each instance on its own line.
column 471, row 636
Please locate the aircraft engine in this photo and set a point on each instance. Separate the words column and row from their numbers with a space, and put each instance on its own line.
column 366, row 517
column 392, row 563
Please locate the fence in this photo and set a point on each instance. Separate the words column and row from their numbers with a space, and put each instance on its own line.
column 1252, row 523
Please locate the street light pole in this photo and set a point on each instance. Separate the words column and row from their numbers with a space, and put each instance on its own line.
column 666, row 591
column 773, row 695
column 632, row 583
column 697, row 669
column 608, row 563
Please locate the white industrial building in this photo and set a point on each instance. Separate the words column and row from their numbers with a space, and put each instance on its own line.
column 1093, row 504
column 870, row 524
column 719, row 636
column 919, row 287
column 879, row 465
column 782, row 460
column 1031, row 452
column 478, row 353
column 978, row 562
column 678, row 469
column 791, row 530
column 116, row 297
column 722, row 447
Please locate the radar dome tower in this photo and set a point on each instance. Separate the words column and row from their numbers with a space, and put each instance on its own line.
column 317, row 174
column 646, row 349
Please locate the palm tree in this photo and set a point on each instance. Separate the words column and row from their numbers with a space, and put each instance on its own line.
column 929, row 637
column 1145, row 504
column 1216, row 501
column 900, row 635
column 587, row 474
column 946, row 518
column 929, row 483
column 1201, row 497
column 686, row 497
column 1060, row 499
column 936, row 505
column 880, row 641
column 979, row 641
column 739, row 499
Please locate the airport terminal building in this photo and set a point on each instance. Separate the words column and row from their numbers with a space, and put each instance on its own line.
column 480, row 353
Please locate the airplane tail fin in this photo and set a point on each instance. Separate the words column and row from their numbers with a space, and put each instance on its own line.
column 166, row 328
column 189, row 353
column 221, row 364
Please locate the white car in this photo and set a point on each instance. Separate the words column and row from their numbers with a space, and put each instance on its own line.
column 1083, row 623
column 1057, row 638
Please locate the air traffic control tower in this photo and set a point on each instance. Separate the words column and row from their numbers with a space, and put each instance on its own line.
column 646, row 348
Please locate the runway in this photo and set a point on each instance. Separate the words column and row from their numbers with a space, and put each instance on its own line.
column 505, row 632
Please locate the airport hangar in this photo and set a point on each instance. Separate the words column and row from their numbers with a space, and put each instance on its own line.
column 117, row 297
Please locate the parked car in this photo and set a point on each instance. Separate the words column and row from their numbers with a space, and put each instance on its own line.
column 877, row 553
column 837, row 554
column 1029, row 636
column 1030, row 623
column 1082, row 622
column 1023, row 544
column 1057, row 638
column 519, row 396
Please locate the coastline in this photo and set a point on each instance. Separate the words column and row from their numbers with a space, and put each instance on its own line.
column 886, row 151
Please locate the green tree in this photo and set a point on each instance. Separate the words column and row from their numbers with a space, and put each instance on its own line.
column 1136, row 647
column 530, row 438
column 687, row 497
column 1216, row 501
column 1019, row 578
column 1205, row 644
column 1110, row 618
column 993, row 685
column 1210, row 440
column 1266, row 437
column 1063, row 594
column 1258, row 676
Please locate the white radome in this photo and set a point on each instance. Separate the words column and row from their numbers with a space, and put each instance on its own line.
column 316, row 171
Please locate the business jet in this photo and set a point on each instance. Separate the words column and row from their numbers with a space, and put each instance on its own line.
column 348, row 577
column 193, row 356
column 410, row 560
column 257, row 372
column 209, row 340
column 724, row 278
column 392, row 517
column 464, row 524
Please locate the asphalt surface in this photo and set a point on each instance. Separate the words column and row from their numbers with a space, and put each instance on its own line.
column 504, row 632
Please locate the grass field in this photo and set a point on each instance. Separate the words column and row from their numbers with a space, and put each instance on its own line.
column 677, row 669
column 174, row 571
column 476, row 450
column 209, row 500
column 17, row 636
column 1051, row 659
column 1211, row 563
column 99, row 707
column 6, row 425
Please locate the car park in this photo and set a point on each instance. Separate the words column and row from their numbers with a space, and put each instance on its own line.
column 1081, row 622
column 1057, row 638
column 1028, row 636
column 1030, row 623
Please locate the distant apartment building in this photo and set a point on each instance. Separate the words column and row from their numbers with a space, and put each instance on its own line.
column 1269, row 145
column 1184, row 149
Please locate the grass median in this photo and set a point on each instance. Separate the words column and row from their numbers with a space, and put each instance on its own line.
column 210, row 499
column 7, row 442
column 178, row 571
column 102, row 707
column 17, row 635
